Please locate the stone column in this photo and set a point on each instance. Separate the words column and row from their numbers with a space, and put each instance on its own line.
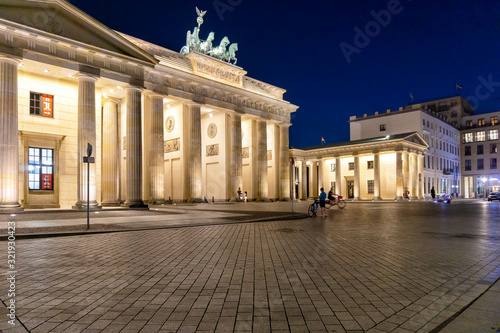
column 156, row 165
column 236, row 167
column 356, row 178
column 262, row 186
column 193, row 143
column 320, row 176
column 338, row 175
column 376, row 176
column 314, row 179
column 284, row 180
column 86, row 134
column 303, row 180
column 420, row 176
column 110, row 150
column 406, row 171
column 9, row 145
column 134, row 149
column 399, row 175
column 414, row 179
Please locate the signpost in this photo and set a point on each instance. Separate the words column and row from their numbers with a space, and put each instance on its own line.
column 88, row 159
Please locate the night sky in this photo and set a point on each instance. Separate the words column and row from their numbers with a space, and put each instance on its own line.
column 337, row 58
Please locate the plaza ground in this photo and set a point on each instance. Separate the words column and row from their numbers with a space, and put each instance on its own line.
column 372, row 267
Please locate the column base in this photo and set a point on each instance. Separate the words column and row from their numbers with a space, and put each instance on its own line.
column 110, row 204
column 377, row 199
column 11, row 208
column 82, row 205
column 413, row 198
column 356, row 199
column 263, row 200
column 398, row 198
column 285, row 199
column 196, row 200
column 134, row 204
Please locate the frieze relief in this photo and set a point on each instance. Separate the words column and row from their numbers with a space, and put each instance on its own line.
column 170, row 146
column 245, row 152
column 213, row 150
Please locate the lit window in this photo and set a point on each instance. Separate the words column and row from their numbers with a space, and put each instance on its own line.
column 40, row 167
column 480, row 122
column 468, row 137
column 332, row 167
column 493, row 148
column 41, row 104
column 493, row 134
column 481, row 136
column 494, row 120
column 468, row 123
column 371, row 186
column 369, row 165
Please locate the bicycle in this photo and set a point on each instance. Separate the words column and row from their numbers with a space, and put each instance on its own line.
column 313, row 208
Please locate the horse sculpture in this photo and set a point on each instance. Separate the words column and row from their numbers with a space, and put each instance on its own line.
column 206, row 46
column 219, row 51
column 231, row 53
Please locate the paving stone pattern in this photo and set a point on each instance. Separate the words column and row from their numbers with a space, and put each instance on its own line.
column 367, row 268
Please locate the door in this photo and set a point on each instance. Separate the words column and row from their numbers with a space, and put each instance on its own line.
column 350, row 189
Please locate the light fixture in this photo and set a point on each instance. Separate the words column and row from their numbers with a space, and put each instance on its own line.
column 168, row 106
column 387, row 137
column 111, row 91
column 12, row 215
column 118, row 87
column 45, row 70
column 210, row 115
column 21, row 65
column 105, row 95
column 71, row 76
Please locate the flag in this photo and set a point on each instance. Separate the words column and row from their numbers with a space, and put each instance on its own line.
column 411, row 97
column 458, row 87
column 322, row 140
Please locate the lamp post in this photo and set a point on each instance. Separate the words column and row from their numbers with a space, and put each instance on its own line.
column 88, row 159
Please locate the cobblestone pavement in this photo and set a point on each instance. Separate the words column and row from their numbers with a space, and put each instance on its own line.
column 371, row 267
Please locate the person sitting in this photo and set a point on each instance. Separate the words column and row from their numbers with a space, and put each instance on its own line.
column 331, row 197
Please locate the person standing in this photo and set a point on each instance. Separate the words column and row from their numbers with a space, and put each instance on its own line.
column 322, row 202
column 433, row 193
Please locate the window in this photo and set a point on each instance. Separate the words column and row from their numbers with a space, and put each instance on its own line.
column 427, row 123
column 371, row 186
column 40, row 167
column 493, row 163
column 351, row 165
column 333, row 187
column 468, row 137
column 382, row 127
column 480, row 149
column 468, row 123
column 480, row 164
column 454, row 114
column 369, row 165
column 468, row 165
column 480, row 122
column 332, row 167
column 453, row 102
column 494, row 120
column 41, row 104
column 493, row 134
column 467, row 151
column 493, row 148
column 423, row 122
column 481, row 136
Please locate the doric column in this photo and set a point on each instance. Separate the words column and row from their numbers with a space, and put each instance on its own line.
column 376, row 176
column 406, row 171
column 420, row 175
column 192, row 138
column 262, row 186
column 110, row 153
column 9, row 146
column 320, row 176
column 399, row 175
column 156, row 165
column 303, row 180
column 356, row 178
column 338, row 175
column 86, row 135
column 236, row 167
column 284, row 180
column 314, row 179
column 414, row 178
column 134, row 148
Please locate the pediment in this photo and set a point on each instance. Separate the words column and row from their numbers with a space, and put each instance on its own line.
column 416, row 138
column 60, row 18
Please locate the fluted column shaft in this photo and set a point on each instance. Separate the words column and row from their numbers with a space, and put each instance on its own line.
column 194, row 153
column 399, row 175
column 420, row 176
column 134, row 148
column 9, row 146
column 262, row 185
column 284, row 160
column 356, row 178
column 338, row 176
column 303, row 180
column 156, row 164
column 86, row 135
column 110, row 153
column 414, row 178
column 406, row 171
column 320, row 176
column 236, row 166
column 376, row 176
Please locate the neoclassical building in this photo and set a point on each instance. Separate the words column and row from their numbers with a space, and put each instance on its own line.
column 162, row 125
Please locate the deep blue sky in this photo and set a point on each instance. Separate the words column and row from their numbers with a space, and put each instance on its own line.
column 426, row 47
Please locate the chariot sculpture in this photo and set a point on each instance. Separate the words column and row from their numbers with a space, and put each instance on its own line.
column 194, row 43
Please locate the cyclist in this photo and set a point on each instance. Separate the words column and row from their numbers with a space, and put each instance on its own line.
column 331, row 197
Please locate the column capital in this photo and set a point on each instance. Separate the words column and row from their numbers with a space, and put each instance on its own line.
column 86, row 77
column 152, row 94
column 133, row 88
column 14, row 61
column 111, row 100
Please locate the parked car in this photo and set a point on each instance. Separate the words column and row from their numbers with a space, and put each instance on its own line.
column 442, row 197
column 494, row 196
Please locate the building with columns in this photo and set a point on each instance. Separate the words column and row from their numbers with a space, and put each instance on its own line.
column 162, row 125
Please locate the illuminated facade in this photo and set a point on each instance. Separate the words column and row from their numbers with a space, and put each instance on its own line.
column 162, row 125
